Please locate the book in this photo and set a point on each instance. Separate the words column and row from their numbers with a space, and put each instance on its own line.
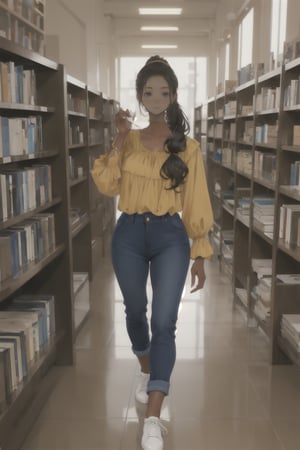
column 291, row 223
column 12, row 361
column 289, row 278
column 24, row 330
column 40, row 300
column 5, row 378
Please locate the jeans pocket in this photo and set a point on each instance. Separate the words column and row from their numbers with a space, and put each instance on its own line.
column 121, row 220
column 176, row 222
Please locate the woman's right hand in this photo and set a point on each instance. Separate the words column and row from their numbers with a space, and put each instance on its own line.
column 122, row 124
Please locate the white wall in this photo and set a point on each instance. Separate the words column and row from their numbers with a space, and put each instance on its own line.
column 89, row 43
column 78, row 35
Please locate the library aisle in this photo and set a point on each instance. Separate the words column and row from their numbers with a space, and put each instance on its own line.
column 224, row 396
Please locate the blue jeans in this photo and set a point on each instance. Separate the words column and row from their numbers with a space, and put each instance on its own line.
column 159, row 244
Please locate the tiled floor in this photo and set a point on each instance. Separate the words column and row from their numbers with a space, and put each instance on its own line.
column 224, row 393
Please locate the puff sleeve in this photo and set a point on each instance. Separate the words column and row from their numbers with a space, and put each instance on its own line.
column 197, row 213
column 106, row 173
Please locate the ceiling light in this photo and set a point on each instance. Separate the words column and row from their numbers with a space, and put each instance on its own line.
column 160, row 11
column 159, row 46
column 161, row 28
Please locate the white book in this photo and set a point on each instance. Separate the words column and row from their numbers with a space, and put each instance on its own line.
column 289, row 278
column 18, row 356
column 292, row 320
column 18, row 326
column 12, row 357
column 29, row 317
column 292, row 212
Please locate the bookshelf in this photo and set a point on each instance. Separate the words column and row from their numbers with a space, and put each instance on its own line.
column 253, row 154
column 101, row 131
column 48, row 272
column 49, row 136
column 79, row 190
column 23, row 22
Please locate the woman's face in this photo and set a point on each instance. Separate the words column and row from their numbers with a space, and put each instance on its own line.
column 156, row 96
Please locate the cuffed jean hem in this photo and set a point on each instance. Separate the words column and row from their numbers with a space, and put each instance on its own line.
column 141, row 352
column 158, row 385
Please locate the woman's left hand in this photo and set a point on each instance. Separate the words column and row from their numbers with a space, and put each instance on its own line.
column 197, row 272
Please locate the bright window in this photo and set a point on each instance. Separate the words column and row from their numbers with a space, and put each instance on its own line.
column 227, row 55
column 245, row 40
column 278, row 27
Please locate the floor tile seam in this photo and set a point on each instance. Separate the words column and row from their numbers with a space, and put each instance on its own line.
column 260, row 398
column 126, row 417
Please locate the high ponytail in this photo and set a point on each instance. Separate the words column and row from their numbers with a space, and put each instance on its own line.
column 174, row 168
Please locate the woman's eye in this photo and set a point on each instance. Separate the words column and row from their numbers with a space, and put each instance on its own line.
column 166, row 94
column 147, row 94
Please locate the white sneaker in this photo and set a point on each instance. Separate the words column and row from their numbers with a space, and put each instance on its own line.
column 152, row 434
column 141, row 390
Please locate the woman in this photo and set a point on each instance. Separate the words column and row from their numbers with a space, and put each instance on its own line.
column 157, row 172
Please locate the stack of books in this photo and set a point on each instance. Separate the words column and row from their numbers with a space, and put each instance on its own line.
column 26, row 329
column 290, row 329
column 261, row 292
column 263, row 215
column 243, row 210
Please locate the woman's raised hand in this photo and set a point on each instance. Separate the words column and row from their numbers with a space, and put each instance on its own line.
column 121, row 120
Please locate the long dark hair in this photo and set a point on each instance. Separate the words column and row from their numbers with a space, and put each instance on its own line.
column 174, row 168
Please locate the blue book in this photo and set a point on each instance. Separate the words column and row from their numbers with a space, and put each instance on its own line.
column 45, row 300
column 12, row 236
column 19, row 83
column 5, row 137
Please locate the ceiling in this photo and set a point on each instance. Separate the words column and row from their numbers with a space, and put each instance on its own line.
column 200, row 9
column 199, row 19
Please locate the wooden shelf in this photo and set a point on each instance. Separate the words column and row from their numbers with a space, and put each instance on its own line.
column 250, row 242
column 53, row 274
column 10, row 286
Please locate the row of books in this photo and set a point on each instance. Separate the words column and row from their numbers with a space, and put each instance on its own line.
column 76, row 104
column 227, row 156
column 17, row 85
column 24, row 189
column 261, row 291
column 289, row 223
column 94, row 136
column 263, row 214
column 215, row 131
column 267, row 99
column 27, row 325
column 248, row 72
column 246, row 110
column 244, row 161
column 265, row 165
column 75, row 170
column 230, row 133
column 20, row 136
column 16, row 30
column 230, row 108
column 266, row 134
column 27, row 242
column 247, row 135
column 292, row 93
column 296, row 135
column 28, row 9
column 76, row 134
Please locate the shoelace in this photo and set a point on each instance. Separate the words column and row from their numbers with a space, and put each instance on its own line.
column 152, row 430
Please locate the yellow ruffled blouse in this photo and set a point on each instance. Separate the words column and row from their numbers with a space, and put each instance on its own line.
column 134, row 175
